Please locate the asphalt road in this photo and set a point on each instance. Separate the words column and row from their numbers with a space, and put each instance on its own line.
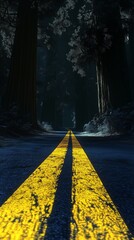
column 112, row 158
column 20, row 157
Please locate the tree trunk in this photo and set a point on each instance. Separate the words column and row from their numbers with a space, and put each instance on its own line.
column 102, row 87
column 21, row 89
column 48, row 109
column 112, row 69
column 91, row 91
column 131, row 55
column 81, row 103
column 116, row 72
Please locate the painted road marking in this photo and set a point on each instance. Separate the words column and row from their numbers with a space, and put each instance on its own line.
column 94, row 215
column 24, row 215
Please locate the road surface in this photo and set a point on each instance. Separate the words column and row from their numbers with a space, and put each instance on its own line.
column 61, row 186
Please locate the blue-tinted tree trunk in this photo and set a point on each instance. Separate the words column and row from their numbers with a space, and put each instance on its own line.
column 21, row 89
column 112, row 69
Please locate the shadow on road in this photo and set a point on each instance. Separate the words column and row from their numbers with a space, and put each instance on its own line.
column 58, row 226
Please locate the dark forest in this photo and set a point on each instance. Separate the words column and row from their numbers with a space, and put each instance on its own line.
column 66, row 64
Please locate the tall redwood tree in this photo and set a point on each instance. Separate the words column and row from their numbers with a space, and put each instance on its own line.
column 21, row 89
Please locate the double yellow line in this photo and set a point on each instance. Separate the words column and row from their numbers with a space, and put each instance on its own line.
column 25, row 214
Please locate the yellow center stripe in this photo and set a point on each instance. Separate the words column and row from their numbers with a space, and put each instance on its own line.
column 94, row 216
column 24, row 215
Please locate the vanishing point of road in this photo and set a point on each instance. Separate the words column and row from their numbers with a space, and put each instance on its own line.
column 66, row 196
